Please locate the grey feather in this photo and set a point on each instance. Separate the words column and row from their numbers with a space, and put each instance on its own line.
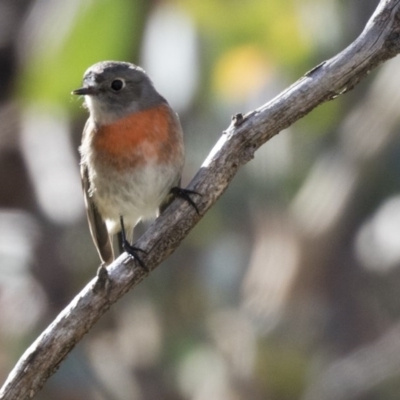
column 97, row 226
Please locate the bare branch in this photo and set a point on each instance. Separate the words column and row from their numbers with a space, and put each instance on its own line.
column 379, row 41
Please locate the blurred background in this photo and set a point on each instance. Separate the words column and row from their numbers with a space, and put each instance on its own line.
column 289, row 287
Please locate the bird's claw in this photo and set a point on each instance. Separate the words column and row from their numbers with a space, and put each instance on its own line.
column 133, row 252
column 185, row 195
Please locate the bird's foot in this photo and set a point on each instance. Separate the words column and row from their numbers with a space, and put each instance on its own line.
column 185, row 195
column 133, row 252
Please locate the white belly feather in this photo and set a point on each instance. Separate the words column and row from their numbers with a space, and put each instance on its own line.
column 136, row 196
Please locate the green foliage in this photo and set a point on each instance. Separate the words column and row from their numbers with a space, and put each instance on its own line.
column 266, row 23
column 282, row 369
column 103, row 29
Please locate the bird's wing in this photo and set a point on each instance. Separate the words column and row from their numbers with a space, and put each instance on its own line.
column 174, row 126
column 97, row 226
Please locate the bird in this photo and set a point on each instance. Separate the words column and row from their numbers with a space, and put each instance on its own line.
column 132, row 154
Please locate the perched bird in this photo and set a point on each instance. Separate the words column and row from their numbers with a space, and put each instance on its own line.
column 132, row 153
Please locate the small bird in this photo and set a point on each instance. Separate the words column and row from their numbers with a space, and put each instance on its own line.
column 132, row 154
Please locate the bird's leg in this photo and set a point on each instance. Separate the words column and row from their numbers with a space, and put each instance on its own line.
column 131, row 250
column 185, row 195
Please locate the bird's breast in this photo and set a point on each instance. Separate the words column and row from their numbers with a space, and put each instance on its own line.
column 152, row 135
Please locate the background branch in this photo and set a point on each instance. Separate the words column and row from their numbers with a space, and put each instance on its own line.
column 377, row 43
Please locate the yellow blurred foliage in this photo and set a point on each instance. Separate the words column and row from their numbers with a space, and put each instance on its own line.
column 240, row 71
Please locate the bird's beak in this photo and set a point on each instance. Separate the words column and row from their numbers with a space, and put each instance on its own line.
column 85, row 91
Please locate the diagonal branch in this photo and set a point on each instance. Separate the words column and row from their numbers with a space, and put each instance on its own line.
column 379, row 42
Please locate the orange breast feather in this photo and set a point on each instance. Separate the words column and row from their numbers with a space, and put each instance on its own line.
column 137, row 138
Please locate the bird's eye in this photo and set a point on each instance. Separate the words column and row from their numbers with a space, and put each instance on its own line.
column 117, row 85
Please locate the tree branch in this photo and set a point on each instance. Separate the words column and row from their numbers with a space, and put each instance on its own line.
column 379, row 41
